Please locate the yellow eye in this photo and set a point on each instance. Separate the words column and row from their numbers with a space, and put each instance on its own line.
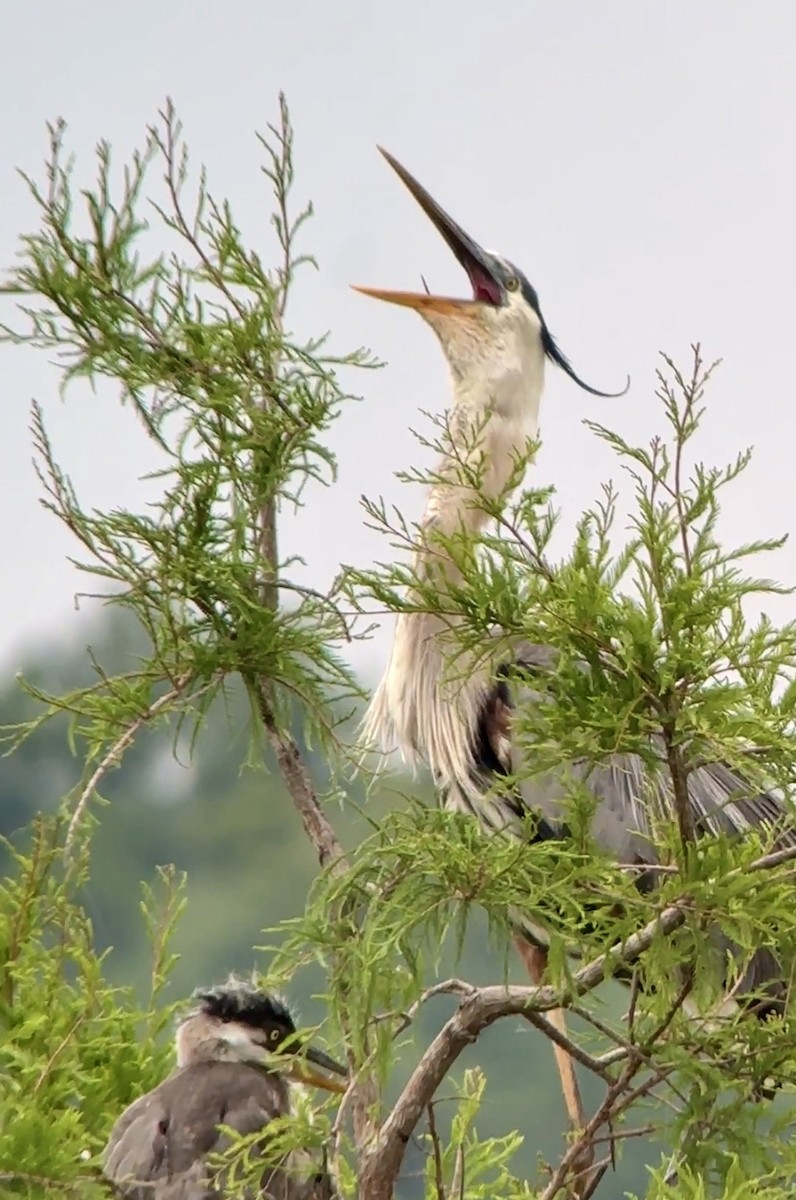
column 511, row 283
column 273, row 1036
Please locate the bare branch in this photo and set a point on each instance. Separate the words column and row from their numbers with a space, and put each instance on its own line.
column 479, row 1009
column 597, row 1065
column 299, row 785
column 437, row 1152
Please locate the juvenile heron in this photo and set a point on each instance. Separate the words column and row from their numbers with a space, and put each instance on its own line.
column 237, row 1048
column 497, row 345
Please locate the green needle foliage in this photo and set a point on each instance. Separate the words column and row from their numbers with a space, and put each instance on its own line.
column 73, row 1049
column 196, row 342
column 143, row 284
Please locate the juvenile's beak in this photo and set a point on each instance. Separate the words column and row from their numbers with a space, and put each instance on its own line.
column 479, row 265
column 301, row 1073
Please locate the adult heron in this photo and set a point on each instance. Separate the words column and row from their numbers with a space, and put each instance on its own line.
column 498, row 345
column 237, row 1051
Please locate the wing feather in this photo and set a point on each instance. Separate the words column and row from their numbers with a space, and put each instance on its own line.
column 631, row 794
column 158, row 1148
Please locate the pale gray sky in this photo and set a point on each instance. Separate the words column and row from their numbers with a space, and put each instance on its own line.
column 635, row 159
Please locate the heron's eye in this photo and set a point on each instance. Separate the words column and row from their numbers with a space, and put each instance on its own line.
column 273, row 1036
column 511, row 283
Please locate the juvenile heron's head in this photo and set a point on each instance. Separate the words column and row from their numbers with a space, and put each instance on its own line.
column 500, row 325
column 240, row 1022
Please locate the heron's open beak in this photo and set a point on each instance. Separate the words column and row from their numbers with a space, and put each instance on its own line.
column 300, row 1072
column 487, row 287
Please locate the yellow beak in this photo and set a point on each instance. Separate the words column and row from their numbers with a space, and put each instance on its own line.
column 301, row 1069
column 419, row 300
column 301, row 1074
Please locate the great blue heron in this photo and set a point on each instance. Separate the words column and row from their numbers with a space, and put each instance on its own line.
column 236, row 1050
column 497, row 345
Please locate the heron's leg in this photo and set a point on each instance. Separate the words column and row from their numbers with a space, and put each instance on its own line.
column 535, row 961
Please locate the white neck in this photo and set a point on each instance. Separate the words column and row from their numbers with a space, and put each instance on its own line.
column 428, row 699
column 200, row 1037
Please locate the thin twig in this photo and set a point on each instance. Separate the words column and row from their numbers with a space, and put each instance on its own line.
column 437, row 1152
column 612, row 1056
column 589, row 1061
column 595, row 1178
column 625, row 1047
column 448, row 987
column 113, row 756
column 59, row 1049
column 624, row 1134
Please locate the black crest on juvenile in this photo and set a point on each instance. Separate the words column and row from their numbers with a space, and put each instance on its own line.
column 237, row 1000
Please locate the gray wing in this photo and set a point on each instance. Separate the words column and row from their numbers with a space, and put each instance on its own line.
column 135, row 1156
column 158, row 1148
column 630, row 792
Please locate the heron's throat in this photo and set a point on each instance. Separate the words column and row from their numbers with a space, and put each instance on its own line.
column 497, row 375
column 481, row 455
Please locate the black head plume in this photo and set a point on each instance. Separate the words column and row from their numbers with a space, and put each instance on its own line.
column 554, row 354
column 273, row 1028
column 548, row 341
column 237, row 1000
